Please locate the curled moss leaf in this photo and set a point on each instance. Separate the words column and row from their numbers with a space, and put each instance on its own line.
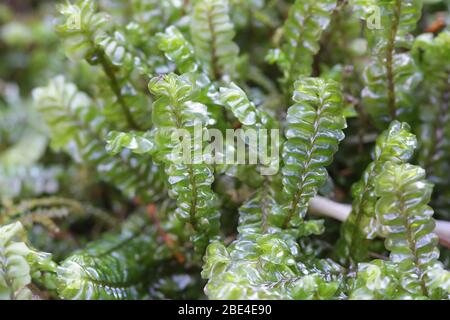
column 190, row 181
column 178, row 49
column 301, row 35
column 212, row 34
column 314, row 130
column 113, row 267
column 392, row 75
column 78, row 127
column 14, row 268
column 396, row 144
column 406, row 221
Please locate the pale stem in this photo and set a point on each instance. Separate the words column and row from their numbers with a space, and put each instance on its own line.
column 320, row 206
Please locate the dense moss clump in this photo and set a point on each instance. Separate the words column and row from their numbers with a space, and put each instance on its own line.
column 225, row 149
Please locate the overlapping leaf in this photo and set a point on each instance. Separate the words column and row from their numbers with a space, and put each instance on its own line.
column 212, row 34
column 189, row 177
column 392, row 75
column 80, row 129
column 314, row 130
column 113, row 267
column 431, row 55
column 301, row 35
column 406, row 222
column 396, row 144
column 14, row 268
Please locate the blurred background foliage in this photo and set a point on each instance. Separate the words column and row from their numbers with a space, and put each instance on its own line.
column 30, row 54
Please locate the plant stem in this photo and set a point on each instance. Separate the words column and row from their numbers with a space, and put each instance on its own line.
column 296, row 57
column 320, row 206
column 297, row 197
column 214, row 61
column 412, row 245
column 389, row 60
column 107, row 68
column 438, row 132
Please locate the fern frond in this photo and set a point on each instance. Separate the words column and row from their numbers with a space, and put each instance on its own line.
column 251, row 117
column 438, row 282
column 261, row 213
column 165, row 130
column 212, row 33
column 85, row 32
column 117, row 51
column 241, row 271
column 27, row 150
column 396, row 144
column 61, row 105
column 137, row 142
column 314, row 130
